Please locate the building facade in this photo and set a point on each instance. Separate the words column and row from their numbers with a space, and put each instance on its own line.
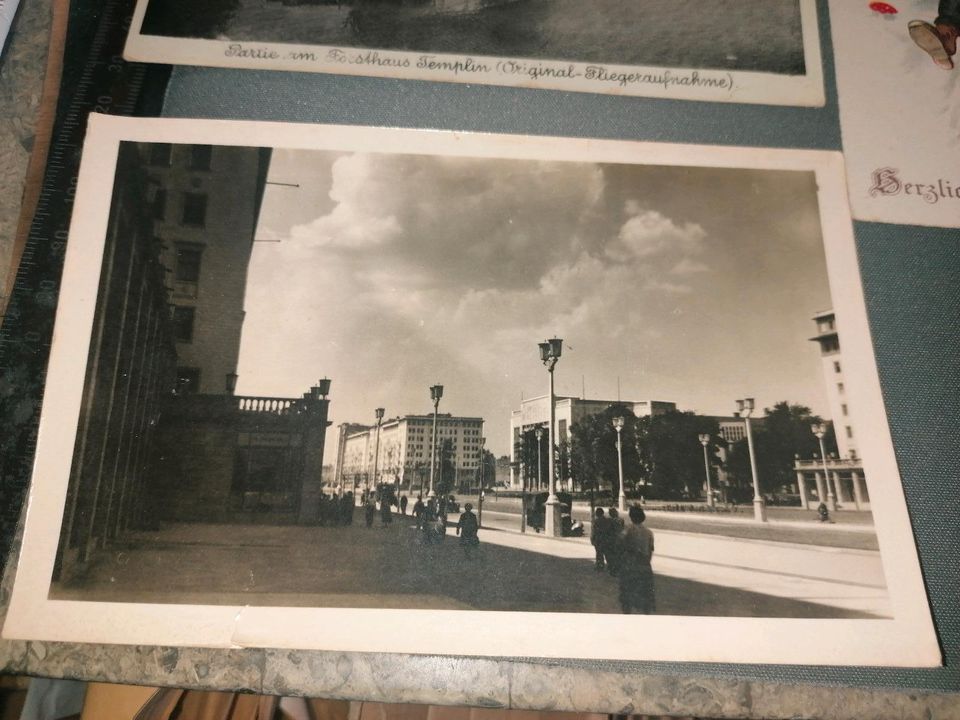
column 837, row 481
column 205, row 208
column 399, row 452
column 535, row 412
column 832, row 365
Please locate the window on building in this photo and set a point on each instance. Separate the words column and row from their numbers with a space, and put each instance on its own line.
column 200, row 156
column 188, row 380
column 188, row 262
column 840, row 388
column 194, row 209
column 183, row 323
column 849, row 432
column 836, row 366
column 160, row 154
column 843, row 409
column 160, row 204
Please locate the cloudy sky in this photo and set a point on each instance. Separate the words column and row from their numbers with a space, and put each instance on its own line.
column 394, row 272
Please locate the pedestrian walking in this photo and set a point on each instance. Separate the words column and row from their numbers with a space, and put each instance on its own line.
column 635, row 568
column 403, row 504
column 418, row 508
column 600, row 538
column 369, row 512
column 468, row 529
column 386, row 517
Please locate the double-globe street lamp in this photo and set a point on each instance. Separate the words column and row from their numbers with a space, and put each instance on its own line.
column 745, row 407
column 436, row 392
column 819, row 429
column 705, row 440
column 550, row 351
column 618, row 423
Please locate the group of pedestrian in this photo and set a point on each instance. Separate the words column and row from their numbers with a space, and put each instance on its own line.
column 336, row 510
column 626, row 551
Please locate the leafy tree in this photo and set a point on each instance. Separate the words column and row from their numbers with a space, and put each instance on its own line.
column 671, row 455
column 781, row 435
column 593, row 450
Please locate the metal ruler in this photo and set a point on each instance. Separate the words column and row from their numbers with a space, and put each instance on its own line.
column 95, row 78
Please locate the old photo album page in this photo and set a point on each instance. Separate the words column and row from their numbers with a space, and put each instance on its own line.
column 379, row 390
column 751, row 51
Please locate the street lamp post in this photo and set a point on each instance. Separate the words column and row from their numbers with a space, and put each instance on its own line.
column 550, row 351
column 436, row 392
column 539, row 432
column 622, row 498
column 820, row 430
column 746, row 407
column 705, row 440
column 376, row 448
column 480, row 497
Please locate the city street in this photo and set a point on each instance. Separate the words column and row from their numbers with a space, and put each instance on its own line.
column 391, row 567
column 839, row 577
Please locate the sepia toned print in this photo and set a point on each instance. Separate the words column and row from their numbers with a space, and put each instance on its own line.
column 752, row 52
column 326, row 376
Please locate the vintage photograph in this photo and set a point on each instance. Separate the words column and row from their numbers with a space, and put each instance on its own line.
column 401, row 371
column 905, row 73
column 763, row 51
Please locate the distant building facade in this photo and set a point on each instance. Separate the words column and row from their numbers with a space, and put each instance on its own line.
column 535, row 412
column 404, row 450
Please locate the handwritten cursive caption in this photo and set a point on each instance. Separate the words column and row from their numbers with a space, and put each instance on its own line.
column 459, row 67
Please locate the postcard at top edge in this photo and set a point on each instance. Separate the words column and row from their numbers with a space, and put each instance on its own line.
column 899, row 109
column 748, row 52
column 303, row 379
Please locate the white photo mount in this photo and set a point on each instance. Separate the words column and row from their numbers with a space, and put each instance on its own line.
column 569, row 74
column 907, row 639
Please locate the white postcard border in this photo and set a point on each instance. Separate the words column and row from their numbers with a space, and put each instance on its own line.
column 908, row 639
column 629, row 80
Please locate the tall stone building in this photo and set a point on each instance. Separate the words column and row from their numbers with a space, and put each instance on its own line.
column 161, row 435
column 404, row 449
column 205, row 208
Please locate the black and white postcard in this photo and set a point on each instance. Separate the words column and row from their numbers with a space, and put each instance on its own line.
column 429, row 392
column 751, row 51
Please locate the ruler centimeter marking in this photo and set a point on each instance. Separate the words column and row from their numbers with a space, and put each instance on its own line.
column 106, row 84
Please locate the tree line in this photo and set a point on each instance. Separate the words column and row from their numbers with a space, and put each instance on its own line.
column 662, row 455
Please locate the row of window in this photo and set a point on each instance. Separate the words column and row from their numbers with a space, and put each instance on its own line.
column 193, row 208
column 161, row 155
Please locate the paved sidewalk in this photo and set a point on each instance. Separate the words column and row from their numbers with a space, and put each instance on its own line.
column 392, row 567
column 843, row 578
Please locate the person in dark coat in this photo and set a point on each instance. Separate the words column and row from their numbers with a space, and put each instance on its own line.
column 612, row 551
column 468, row 528
column 403, row 504
column 600, row 538
column 369, row 512
column 635, row 568
column 418, row 508
column 385, row 515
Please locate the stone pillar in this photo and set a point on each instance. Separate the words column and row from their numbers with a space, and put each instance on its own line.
column 857, row 489
column 802, row 486
column 838, row 489
column 821, row 488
